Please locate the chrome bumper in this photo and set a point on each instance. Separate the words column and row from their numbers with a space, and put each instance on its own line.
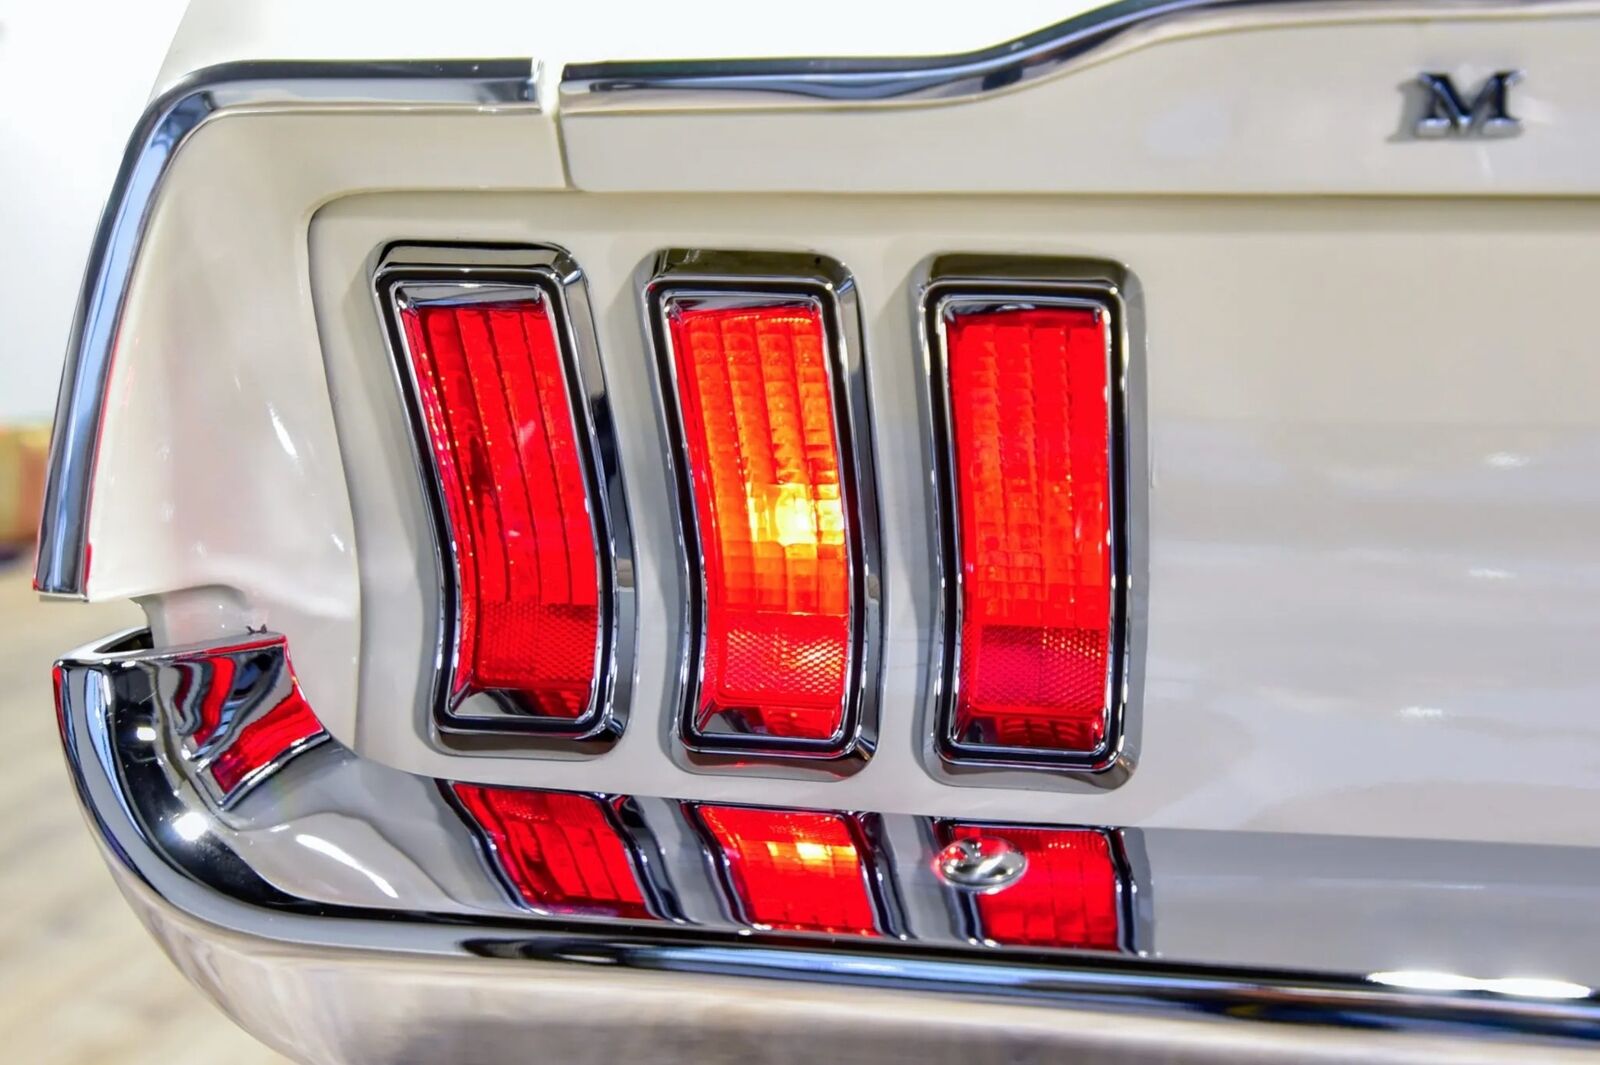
column 341, row 912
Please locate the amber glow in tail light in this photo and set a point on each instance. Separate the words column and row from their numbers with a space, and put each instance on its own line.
column 794, row 870
column 493, row 391
column 1028, row 401
column 776, row 658
column 560, row 851
column 1069, row 894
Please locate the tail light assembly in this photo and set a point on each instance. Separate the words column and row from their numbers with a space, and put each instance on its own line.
column 761, row 391
column 1027, row 364
column 764, row 408
column 500, row 370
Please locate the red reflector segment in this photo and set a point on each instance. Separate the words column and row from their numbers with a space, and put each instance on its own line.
column 1067, row 895
column 755, row 395
column 1028, row 406
column 557, row 850
column 492, row 389
column 794, row 870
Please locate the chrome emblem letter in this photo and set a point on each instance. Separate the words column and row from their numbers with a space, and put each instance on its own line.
column 1447, row 114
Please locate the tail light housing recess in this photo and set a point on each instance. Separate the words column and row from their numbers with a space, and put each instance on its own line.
column 763, row 402
column 499, row 369
column 1028, row 364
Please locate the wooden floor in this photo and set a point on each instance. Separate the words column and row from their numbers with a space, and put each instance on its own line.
column 83, row 983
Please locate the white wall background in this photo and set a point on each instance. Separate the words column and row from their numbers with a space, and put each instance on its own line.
column 74, row 76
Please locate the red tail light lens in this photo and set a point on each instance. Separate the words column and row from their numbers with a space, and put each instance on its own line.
column 558, row 850
column 755, row 392
column 1029, row 435
column 794, row 870
column 1068, row 894
column 492, row 388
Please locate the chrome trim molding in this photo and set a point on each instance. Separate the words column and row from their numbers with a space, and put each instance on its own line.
column 733, row 84
column 419, row 273
column 979, row 281
column 752, row 277
column 168, row 122
column 349, row 862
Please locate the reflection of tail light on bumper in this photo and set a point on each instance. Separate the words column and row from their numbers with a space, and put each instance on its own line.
column 1074, row 890
column 240, row 713
column 559, row 851
column 796, row 870
column 287, row 727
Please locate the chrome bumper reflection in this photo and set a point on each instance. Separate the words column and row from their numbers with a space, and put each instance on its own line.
column 241, row 830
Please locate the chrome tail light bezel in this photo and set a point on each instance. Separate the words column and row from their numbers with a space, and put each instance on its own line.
column 418, row 272
column 972, row 282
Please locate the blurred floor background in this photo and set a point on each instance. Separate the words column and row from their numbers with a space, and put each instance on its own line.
column 84, row 983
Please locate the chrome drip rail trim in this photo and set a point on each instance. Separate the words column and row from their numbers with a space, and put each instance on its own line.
column 733, row 84
column 234, row 891
column 168, row 122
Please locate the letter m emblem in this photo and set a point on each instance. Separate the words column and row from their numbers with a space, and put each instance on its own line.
column 1448, row 114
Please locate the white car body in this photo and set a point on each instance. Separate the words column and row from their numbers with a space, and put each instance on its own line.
column 1368, row 440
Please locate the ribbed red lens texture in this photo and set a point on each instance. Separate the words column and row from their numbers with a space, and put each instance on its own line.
column 558, row 850
column 758, row 422
column 493, row 393
column 1066, row 897
column 266, row 739
column 795, row 870
column 1029, row 413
